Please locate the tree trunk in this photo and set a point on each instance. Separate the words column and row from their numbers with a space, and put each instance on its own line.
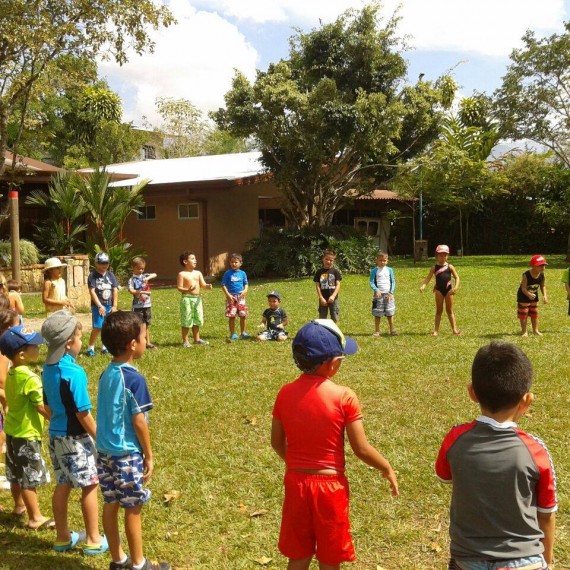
column 3, row 135
column 461, row 230
column 568, row 248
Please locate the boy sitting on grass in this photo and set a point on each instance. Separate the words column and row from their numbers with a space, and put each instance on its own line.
column 503, row 498
column 309, row 419
column 274, row 319
column 125, row 459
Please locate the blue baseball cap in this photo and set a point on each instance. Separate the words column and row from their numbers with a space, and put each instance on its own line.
column 15, row 338
column 322, row 340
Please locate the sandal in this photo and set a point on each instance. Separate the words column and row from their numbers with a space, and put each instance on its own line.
column 94, row 549
column 71, row 543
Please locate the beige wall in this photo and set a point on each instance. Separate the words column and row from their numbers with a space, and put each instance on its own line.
column 231, row 217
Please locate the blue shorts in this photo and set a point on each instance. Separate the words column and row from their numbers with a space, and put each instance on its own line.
column 121, row 479
column 96, row 319
column 74, row 460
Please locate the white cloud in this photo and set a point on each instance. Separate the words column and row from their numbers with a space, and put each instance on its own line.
column 194, row 59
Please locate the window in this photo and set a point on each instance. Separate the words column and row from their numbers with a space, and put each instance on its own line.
column 188, row 211
column 147, row 213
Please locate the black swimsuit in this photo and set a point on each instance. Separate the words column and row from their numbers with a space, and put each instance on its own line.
column 442, row 279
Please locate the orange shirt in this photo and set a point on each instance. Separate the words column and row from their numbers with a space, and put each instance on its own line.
column 314, row 412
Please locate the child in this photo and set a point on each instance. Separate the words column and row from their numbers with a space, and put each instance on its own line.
column 103, row 288
column 25, row 467
column 274, row 319
column 53, row 293
column 443, row 289
column 327, row 281
column 189, row 282
column 383, row 284
column 15, row 298
column 503, row 498
column 140, row 290
column 310, row 417
column 125, row 460
column 235, row 285
column 527, row 295
column 71, row 430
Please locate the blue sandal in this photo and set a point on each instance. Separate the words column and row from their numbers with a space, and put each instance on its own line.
column 71, row 543
column 94, row 549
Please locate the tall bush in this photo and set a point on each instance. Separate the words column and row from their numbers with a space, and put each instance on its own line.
column 298, row 253
column 29, row 254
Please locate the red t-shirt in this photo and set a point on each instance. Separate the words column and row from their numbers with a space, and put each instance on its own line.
column 314, row 411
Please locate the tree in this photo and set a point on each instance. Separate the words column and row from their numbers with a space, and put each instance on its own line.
column 34, row 33
column 328, row 119
column 534, row 99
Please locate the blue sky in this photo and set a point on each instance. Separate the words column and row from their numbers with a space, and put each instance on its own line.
column 196, row 58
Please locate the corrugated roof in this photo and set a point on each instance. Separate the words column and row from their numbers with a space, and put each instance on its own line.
column 221, row 167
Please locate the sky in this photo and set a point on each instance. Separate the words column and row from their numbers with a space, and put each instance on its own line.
column 196, row 58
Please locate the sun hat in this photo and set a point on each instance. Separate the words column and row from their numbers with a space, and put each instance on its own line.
column 102, row 257
column 56, row 330
column 274, row 294
column 15, row 338
column 442, row 249
column 537, row 261
column 321, row 340
column 52, row 263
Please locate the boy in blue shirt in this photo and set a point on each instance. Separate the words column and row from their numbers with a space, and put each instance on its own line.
column 234, row 285
column 71, row 431
column 125, row 460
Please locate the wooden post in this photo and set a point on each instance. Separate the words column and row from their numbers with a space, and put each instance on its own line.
column 14, row 232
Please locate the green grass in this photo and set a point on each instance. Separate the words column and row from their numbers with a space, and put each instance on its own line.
column 211, row 421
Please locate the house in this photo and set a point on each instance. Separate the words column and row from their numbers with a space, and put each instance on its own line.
column 213, row 205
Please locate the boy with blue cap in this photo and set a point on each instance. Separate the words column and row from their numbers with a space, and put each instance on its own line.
column 24, row 424
column 310, row 417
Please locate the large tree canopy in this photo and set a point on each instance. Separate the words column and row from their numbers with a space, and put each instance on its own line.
column 534, row 99
column 33, row 33
column 333, row 116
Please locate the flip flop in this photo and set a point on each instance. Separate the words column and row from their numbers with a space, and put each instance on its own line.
column 94, row 549
column 48, row 524
column 71, row 543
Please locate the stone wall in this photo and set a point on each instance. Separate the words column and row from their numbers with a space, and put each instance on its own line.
column 75, row 275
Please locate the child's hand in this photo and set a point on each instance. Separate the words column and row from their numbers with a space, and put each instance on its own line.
column 545, row 300
column 102, row 311
column 452, row 291
column 389, row 295
column 391, row 477
column 331, row 300
column 261, row 325
column 323, row 302
column 209, row 286
column 148, row 468
column 422, row 288
column 378, row 294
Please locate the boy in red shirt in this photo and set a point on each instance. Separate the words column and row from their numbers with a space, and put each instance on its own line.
column 309, row 420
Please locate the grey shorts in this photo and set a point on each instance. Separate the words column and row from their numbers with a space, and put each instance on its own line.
column 383, row 306
column 272, row 334
column 145, row 313
column 334, row 310
column 530, row 563
column 74, row 460
column 24, row 463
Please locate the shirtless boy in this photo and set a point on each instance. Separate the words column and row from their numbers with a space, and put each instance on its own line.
column 189, row 282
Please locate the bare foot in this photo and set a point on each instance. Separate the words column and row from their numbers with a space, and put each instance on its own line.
column 434, row 333
column 537, row 333
column 524, row 334
column 41, row 524
column 19, row 511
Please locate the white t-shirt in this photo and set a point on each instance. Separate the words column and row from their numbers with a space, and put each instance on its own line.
column 383, row 280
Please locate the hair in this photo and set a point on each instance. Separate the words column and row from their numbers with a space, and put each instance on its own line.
column 501, row 375
column 184, row 256
column 13, row 285
column 4, row 302
column 329, row 252
column 303, row 362
column 138, row 260
column 236, row 256
column 381, row 254
column 2, row 281
column 119, row 329
column 7, row 319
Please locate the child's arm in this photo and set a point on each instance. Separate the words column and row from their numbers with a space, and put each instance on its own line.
column 87, row 421
column 456, row 278
column 4, row 367
column 526, row 292
column 284, row 322
column 180, row 284
column 244, row 292
column 149, row 276
column 18, row 303
column 45, row 411
column 115, row 299
column 322, row 300
column 203, row 283
column 334, row 293
column 547, row 524
column 226, row 293
column 427, row 279
column 543, row 291
column 567, row 287
column 96, row 301
column 372, row 281
column 143, row 435
column 263, row 323
column 278, row 440
column 369, row 455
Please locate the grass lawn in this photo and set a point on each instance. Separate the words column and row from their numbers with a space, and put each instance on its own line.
column 211, row 421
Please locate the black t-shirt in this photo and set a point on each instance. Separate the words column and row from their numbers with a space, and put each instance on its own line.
column 274, row 318
column 327, row 280
column 532, row 285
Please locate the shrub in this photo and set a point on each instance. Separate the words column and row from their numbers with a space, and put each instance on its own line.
column 29, row 254
column 298, row 253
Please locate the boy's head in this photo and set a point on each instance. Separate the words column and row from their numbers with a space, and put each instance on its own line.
column 13, row 285
column 138, row 264
column 329, row 257
column 20, row 344
column 102, row 262
column 236, row 261
column 58, row 330
column 8, row 318
column 122, row 331
column 500, row 376
column 382, row 259
column 319, row 341
column 538, row 261
column 273, row 299
column 186, row 257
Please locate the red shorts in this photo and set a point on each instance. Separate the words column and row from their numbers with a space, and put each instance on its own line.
column 315, row 518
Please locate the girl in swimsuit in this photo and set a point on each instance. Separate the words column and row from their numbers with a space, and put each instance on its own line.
column 443, row 290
